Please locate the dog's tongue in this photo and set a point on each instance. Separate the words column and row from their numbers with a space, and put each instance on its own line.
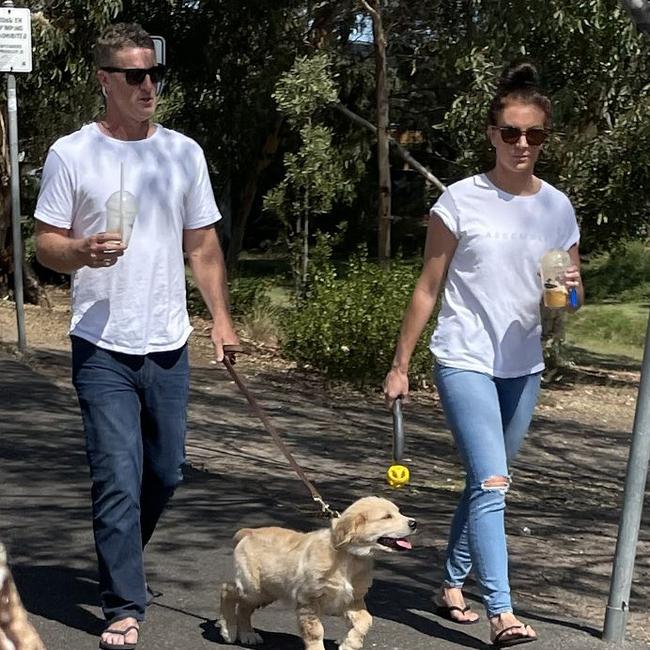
column 404, row 543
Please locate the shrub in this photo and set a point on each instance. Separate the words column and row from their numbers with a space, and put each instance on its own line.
column 621, row 274
column 348, row 325
column 246, row 295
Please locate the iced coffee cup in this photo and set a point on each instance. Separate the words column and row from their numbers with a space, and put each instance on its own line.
column 121, row 210
column 553, row 265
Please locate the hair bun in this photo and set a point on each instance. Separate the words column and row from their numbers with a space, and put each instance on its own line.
column 518, row 76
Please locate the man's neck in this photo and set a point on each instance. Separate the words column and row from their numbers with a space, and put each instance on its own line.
column 125, row 129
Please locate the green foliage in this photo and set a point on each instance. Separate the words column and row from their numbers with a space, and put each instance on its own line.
column 61, row 92
column 623, row 274
column 307, row 87
column 317, row 174
column 349, row 324
column 446, row 57
column 246, row 296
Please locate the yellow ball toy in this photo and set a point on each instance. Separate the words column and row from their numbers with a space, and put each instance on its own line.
column 398, row 475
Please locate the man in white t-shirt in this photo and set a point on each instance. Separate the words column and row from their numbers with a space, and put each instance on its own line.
column 130, row 324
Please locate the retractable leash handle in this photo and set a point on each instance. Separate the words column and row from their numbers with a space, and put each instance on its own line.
column 398, row 431
column 398, row 474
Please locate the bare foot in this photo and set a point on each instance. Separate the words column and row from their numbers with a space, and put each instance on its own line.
column 506, row 627
column 452, row 597
column 120, row 626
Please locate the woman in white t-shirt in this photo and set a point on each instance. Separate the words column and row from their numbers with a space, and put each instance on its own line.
column 485, row 239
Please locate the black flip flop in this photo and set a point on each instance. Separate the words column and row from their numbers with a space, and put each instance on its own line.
column 103, row 645
column 512, row 641
column 445, row 612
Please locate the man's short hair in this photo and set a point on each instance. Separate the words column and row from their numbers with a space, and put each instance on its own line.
column 117, row 37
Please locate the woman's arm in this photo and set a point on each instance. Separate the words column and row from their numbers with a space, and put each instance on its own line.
column 439, row 249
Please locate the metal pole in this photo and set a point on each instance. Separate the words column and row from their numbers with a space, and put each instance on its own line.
column 12, row 112
column 628, row 532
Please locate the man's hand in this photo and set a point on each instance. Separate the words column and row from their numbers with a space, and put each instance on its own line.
column 223, row 334
column 101, row 250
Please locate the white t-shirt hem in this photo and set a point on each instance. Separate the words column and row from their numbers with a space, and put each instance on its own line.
column 166, row 347
column 486, row 370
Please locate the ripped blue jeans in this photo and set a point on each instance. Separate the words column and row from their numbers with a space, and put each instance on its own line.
column 489, row 418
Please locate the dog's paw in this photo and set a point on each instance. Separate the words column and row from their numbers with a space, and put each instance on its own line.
column 227, row 634
column 250, row 638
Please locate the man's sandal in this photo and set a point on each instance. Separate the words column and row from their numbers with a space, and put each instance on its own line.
column 103, row 645
column 499, row 642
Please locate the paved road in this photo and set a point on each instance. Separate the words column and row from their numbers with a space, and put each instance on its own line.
column 45, row 524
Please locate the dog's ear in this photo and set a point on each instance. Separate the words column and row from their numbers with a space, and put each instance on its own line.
column 345, row 528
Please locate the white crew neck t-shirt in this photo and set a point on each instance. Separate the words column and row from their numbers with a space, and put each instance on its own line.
column 490, row 316
column 138, row 305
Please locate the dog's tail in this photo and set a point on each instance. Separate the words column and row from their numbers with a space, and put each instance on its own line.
column 240, row 534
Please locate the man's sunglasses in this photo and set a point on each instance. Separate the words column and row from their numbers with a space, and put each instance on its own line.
column 512, row 135
column 136, row 76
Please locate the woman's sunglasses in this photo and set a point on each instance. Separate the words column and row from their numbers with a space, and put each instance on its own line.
column 136, row 76
column 512, row 135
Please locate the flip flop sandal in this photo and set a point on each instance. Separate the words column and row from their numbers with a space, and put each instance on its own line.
column 445, row 612
column 103, row 645
column 513, row 640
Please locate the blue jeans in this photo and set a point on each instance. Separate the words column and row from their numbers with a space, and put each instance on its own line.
column 489, row 418
column 134, row 413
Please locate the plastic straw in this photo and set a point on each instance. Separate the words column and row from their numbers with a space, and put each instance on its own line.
column 121, row 197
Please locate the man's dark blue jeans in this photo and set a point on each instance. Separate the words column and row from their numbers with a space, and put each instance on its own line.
column 134, row 410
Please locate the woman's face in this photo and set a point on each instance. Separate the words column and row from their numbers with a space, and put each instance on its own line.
column 519, row 157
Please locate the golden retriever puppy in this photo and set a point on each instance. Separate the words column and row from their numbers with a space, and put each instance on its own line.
column 16, row 632
column 326, row 571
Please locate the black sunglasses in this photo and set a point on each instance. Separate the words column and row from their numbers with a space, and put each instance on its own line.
column 135, row 76
column 512, row 135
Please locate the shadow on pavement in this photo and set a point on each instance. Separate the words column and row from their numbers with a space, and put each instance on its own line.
column 59, row 593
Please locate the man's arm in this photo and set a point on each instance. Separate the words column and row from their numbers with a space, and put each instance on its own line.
column 209, row 271
column 57, row 250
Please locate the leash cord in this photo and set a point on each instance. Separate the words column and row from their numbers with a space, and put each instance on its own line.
column 270, row 428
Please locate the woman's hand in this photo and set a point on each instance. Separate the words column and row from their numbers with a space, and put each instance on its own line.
column 396, row 385
column 572, row 277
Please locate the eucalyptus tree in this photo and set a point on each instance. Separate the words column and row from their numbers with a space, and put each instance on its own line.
column 56, row 97
column 446, row 58
column 225, row 57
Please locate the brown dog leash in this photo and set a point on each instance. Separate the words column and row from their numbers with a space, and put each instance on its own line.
column 229, row 351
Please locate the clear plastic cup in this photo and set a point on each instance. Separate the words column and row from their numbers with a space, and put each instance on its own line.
column 553, row 265
column 121, row 210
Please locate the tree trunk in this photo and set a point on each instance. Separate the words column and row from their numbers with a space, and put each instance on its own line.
column 383, row 143
column 403, row 153
column 247, row 198
column 305, row 253
column 32, row 289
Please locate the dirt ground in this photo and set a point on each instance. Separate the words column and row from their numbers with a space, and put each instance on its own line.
column 563, row 509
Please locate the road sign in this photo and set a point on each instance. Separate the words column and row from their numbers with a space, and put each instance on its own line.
column 15, row 40
column 159, row 46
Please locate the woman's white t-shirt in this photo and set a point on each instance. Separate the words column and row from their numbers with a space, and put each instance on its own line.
column 490, row 316
column 138, row 305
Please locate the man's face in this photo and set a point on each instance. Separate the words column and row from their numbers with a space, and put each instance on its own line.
column 131, row 102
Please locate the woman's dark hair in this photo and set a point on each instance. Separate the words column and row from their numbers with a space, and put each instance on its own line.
column 519, row 83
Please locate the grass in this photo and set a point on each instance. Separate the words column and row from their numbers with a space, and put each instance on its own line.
column 617, row 329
